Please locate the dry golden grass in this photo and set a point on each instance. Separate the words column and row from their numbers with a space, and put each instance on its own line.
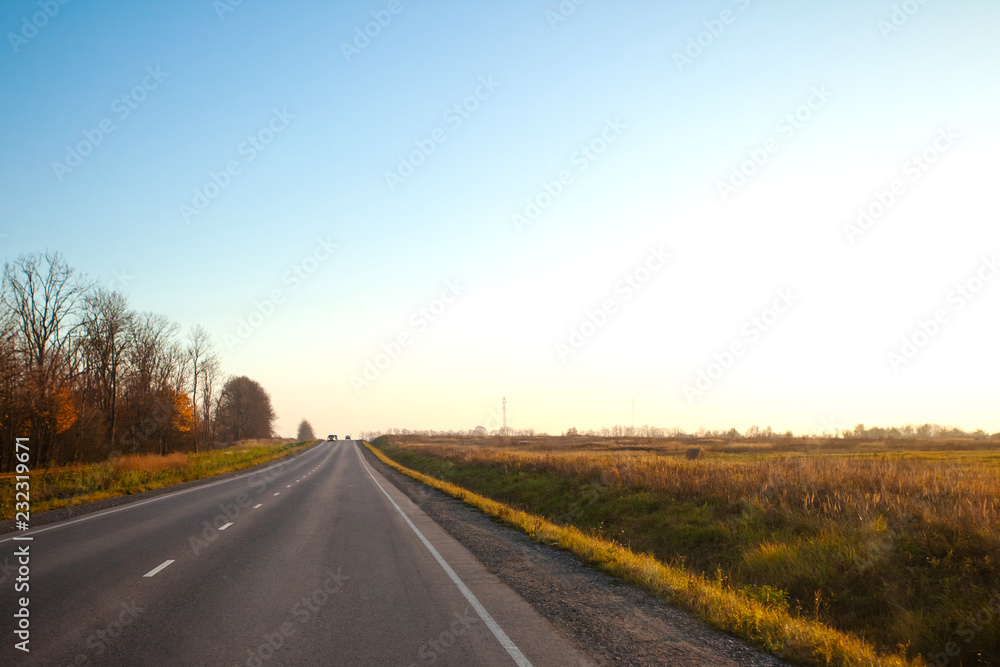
column 794, row 638
column 151, row 463
column 899, row 547
column 856, row 488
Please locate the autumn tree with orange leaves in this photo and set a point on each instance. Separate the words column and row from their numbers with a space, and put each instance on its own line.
column 85, row 377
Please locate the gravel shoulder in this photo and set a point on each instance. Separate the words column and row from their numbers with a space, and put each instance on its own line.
column 615, row 623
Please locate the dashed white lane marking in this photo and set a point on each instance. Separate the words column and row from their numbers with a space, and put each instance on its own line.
column 497, row 631
column 277, row 492
column 289, row 486
column 226, row 526
column 258, row 505
column 156, row 569
column 165, row 496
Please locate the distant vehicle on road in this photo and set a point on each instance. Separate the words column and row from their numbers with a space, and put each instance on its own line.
column 333, row 437
column 347, row 437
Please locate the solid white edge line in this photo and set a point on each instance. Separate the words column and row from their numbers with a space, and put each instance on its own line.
column 158, row 568
column 129, row 506
column 226, row 526
column 497, row 631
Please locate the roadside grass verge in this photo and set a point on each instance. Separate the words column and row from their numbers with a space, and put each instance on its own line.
column 760, row 615
column 126, row 475
column 899, row 547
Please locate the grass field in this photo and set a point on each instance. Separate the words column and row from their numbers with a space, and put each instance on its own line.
column 74, row 485
column 895, row 544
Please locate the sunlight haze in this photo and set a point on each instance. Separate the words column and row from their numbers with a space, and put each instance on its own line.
column 571, row 210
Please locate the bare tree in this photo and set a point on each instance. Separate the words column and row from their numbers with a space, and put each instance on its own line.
column 13, row 401
column 199, row 349
column 155, row 361
column 211, row 371
column 107, row 324
column 83, row 376
column 150, row 354
column 45, row 296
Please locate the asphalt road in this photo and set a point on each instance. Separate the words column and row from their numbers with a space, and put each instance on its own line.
column 314, row 561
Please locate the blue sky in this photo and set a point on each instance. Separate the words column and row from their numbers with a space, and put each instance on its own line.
column 874, row 84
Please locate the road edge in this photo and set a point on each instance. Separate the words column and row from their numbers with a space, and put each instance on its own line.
column 73, row 511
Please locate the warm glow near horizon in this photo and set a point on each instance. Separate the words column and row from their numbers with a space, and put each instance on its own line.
column 792, row 224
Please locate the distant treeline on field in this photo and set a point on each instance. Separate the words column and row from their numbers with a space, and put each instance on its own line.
column 754, row 433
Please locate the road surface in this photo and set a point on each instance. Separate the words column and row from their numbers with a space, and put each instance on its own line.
column 317, row 560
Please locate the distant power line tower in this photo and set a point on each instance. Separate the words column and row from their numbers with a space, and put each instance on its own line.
column 504, row 430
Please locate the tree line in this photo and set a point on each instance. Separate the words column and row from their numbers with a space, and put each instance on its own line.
column 86, row 378
column 753, row 433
